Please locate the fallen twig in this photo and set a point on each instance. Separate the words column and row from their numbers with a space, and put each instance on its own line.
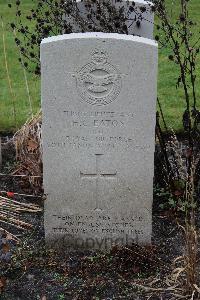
column 23, row 175
column 22, row 195
column 11, row 211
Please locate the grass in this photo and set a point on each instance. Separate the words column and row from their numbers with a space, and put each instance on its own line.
column 172, row 99
column 19, row 97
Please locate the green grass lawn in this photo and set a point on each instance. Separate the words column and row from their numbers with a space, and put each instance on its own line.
column 19, row 97
column 171, row 99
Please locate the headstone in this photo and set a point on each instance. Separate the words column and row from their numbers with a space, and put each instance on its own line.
column 98, row 102
column 141, row 20
column 140, row 16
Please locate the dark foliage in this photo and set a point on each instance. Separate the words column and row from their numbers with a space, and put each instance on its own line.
column 54, row 17
column 178, row 35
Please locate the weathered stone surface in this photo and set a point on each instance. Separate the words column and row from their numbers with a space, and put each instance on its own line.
column 98, row 102
column 140, row 20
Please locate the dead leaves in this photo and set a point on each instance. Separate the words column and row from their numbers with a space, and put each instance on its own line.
column 29, row 153
column 32, row 146
column 5, row 254
column 2, row 284
column 5, row 248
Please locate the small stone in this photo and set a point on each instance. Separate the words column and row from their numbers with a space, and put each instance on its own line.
column 4, row 241
column 30, row 276
column 8, row 256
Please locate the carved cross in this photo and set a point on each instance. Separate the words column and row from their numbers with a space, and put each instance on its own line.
column 97, row 176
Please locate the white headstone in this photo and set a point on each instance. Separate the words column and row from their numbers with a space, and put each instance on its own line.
column 99, row 107
column 140, row 20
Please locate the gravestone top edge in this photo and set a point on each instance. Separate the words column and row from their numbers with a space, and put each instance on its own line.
column 143, row 2
column 100, row 35
column 138, row 2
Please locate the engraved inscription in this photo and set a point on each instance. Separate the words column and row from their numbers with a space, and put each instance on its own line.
column 104, row 231
column 98, row 82
column 98, row 142
column 101, row 224
column 95, row 129
column 95, row 114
